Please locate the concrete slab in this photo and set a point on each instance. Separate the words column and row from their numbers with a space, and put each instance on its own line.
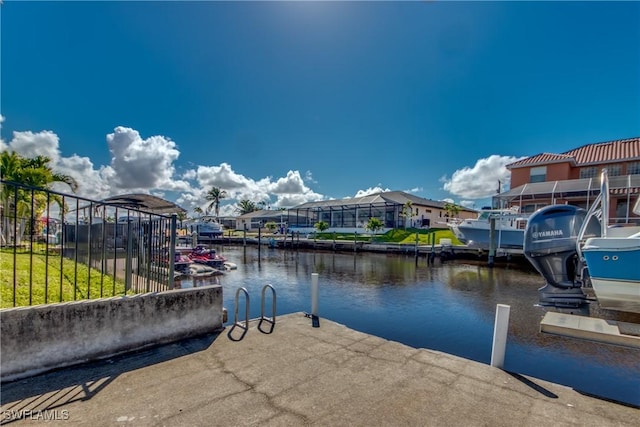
column 590, row 328
column 298, row 375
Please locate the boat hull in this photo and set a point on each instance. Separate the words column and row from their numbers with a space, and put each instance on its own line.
column 614, row 270
column 479, row 237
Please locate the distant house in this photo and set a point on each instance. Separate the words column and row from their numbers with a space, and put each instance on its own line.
column 252, row 221
column 352, row 214
column 573, row 177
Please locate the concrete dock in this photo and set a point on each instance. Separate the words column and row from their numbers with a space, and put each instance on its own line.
column 298, row 375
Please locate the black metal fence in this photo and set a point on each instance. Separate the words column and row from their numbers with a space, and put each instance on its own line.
column 57, row 247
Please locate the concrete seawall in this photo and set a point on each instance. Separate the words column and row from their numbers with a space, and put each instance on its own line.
column 40, row 338
column 299, row 375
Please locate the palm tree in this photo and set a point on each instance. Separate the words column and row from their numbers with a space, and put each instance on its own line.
column 181, row 216
column 374, row 225
column 35, row 172
column 320, row 226
column 246, row 206
column 452, row 209
column 198, row 210
column 407, row 213
column 214, row 195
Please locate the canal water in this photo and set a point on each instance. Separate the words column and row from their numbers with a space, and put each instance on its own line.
column 449, row 307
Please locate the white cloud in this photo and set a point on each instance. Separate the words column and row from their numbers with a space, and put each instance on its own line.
column 468, row 204
column 30, row 144
column 371, row 190
column 142, row 163
column 481, row 181
column 414, row 190
column 91, row 182
column 146, row 165
column 3, row 145
column 308, row 177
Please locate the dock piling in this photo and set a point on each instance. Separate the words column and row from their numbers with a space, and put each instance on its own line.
column 315, row 320
column 500, row 329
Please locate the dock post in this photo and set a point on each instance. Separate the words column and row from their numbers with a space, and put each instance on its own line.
column 492, row 237
column 416, row 245
column 432, row 237
column 500, row 329
column 314, row 300
column 244, row 238
column 314, row 294
column 355, row 241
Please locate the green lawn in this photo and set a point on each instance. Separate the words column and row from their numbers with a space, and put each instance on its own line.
column 407, row 236
column 46, row 286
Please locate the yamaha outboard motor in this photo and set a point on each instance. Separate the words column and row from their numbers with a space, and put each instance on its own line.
column 550, row 245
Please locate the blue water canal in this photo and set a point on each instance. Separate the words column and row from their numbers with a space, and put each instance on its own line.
column 447, row 307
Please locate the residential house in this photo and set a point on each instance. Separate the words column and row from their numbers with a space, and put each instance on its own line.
column 573, row 178
column 352, row 214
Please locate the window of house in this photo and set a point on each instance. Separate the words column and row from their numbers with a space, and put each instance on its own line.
column 614, row 170
column 538, row 174
column 590, row 172
column 633, row 168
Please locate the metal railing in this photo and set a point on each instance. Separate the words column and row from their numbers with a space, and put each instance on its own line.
column 57, row 247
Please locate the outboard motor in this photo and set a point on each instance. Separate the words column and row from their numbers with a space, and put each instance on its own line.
column 550, row 245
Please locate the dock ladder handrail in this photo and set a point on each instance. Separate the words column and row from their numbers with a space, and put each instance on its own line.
column 235, row 311
column 271, row 320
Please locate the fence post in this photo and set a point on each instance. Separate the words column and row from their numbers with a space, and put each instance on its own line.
column 128, row 260
column 172, row 248
column 500, row 329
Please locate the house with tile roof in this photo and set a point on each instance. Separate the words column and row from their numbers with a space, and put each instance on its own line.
column 573, row 177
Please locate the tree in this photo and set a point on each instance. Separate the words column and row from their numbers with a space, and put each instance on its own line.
column 452, row 209
column 198, row 210
column 246, row 206
column 181, row 216
column 35, row 172
column 214, row 195
column 271, row 225
column 374, row 225
column 320, row 226
column 407, row 213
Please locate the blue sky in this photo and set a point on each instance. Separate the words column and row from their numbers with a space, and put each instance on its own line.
column 287, row 102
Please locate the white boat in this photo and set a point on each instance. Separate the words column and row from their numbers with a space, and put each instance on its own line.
column 204, row 228
column 613, row 259
column 509, row 229
column 230, row 265
column 201, row 270
column 574, row 249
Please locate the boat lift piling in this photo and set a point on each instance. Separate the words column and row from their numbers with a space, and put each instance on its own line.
column 492, row 241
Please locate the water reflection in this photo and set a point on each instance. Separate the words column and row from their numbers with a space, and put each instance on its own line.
column 447, row 307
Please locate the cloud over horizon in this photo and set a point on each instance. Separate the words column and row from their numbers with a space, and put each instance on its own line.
column 148, row 165
column 481, row 180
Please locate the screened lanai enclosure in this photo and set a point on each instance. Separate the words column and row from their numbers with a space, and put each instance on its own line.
column 347, row 213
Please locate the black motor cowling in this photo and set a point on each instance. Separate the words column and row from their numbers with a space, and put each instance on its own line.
column 550, row 245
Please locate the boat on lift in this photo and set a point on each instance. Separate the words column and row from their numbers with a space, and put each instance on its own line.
column 509, row 226
column 575, row 249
